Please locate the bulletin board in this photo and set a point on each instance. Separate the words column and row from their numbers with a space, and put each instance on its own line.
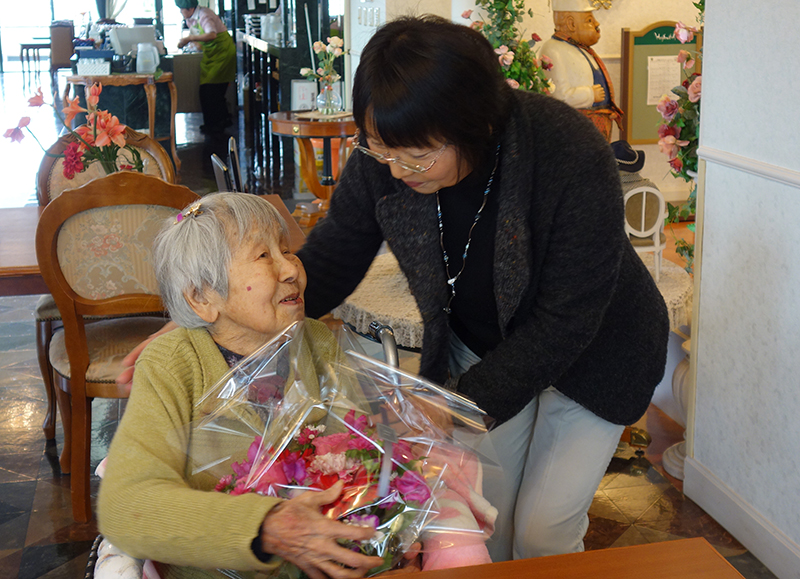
column 650, row 70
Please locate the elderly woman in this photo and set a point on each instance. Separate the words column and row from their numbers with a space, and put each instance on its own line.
column 231, row 284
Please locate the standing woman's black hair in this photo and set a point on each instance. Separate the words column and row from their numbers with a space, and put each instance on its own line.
column 426, row 78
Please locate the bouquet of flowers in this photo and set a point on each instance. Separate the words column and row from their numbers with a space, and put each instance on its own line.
column 101, row 139
column 518, row 59
column 286, row 421
column 326, row 55
column 679, row 135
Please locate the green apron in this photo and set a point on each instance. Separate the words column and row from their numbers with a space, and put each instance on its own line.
column 219, row 58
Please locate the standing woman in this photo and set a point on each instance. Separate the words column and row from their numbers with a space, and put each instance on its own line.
column 217, row 67
column 505, row 213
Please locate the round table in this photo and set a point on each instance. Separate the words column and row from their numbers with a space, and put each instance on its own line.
column 383, row 296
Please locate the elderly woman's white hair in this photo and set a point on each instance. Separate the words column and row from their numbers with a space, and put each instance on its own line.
column 193, row 252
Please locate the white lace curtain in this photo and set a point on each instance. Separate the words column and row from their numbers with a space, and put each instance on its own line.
column 114, row 7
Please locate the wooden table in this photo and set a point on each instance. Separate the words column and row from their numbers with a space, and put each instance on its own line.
column 19, row 270
column 148, row 82
column 297, row 125
column 27, row 49
column 682, row 559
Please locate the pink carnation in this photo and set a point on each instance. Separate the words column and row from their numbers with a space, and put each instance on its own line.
column 336, row 443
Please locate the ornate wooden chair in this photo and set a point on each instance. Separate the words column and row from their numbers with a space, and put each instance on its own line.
column 50, row 184
column 94, row 247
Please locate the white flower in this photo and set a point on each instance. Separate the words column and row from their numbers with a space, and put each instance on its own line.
column 336, row 41
column 305, row 71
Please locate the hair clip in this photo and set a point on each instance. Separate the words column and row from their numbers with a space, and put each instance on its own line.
column 193, row 211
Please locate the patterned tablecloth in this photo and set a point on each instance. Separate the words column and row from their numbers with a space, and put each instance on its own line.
column 383, row 296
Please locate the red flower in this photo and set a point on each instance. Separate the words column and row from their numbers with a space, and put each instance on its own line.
column 668, row 131
column 73, row 160
column 536, row 38
column 676, row 164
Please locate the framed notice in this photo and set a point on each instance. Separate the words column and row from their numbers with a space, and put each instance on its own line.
column 649, row 71
column 304, row 95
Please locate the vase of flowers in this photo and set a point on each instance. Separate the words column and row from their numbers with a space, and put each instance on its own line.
column 679, row 135
column 101, row 139
column 517, row 56
column 329, row 101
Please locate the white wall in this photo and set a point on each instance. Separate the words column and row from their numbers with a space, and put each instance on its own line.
column 745, row 468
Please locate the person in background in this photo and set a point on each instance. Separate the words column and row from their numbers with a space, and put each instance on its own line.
column 217, row 67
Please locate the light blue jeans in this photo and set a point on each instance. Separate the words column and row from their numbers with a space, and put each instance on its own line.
column 553, row 455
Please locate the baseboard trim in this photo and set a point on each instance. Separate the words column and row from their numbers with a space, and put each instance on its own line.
column 769, row 544
column 752, row 166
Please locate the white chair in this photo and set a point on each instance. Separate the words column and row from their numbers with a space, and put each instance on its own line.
column 645, row 214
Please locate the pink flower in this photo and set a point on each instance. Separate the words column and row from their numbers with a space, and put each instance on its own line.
column 37, row 100
column 684, row 33
column 360, row 442
column 294, row 467
column 319, row 46
column 71, row 110
column 466, row 14
column 309, row 433
column 501, row 50
column 224, row 483
column 336, row 443
column 506, row 59
column 477, row 25
column 685, row 58
column 16, row 133
column 93, row 94
column 536, row 38
column 412, row 487
column 401, row 451
column 667, row 107
column 669, row 145
column 695, row 89
column 359, row 424
column 109, row 130
column 676, row 164
column 512, row 83
column 547, row 64
column 265, row 481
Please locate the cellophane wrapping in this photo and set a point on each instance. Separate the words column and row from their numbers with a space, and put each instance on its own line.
column 289, row 419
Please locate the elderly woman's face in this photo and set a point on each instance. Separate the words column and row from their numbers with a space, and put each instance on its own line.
column 266, row 282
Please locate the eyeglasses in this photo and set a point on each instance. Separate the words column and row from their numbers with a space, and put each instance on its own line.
column 407, row 166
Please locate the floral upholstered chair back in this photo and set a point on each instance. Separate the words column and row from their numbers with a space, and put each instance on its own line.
column 51, row 181
column 106, row 252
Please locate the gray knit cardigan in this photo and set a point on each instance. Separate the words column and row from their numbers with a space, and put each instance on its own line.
column 577, row 308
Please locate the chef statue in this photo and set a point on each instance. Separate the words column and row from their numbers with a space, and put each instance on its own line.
column 580, row 77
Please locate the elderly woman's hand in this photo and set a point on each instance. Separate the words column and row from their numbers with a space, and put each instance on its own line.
column 297, row 531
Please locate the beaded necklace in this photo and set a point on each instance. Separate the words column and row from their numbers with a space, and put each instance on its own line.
column 452, row 279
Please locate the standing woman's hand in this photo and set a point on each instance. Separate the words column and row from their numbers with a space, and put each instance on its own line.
column 297, row 531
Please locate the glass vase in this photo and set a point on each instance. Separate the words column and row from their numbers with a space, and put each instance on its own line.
column 329, row 101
